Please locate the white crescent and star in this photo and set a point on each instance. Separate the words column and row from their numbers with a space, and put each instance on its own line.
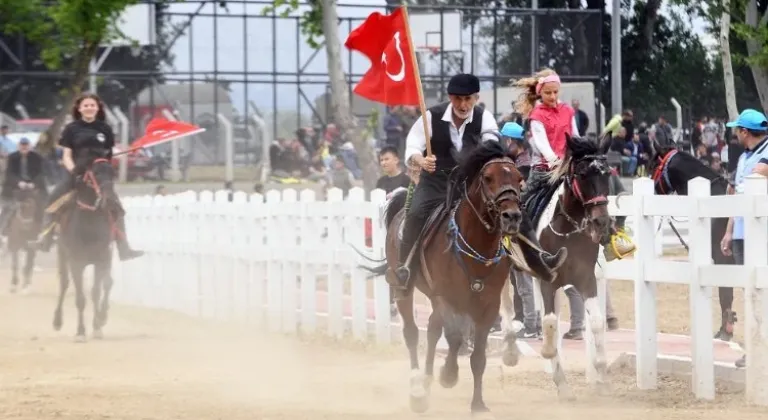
column 399, row 76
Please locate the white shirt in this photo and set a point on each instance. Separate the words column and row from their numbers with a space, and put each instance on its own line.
column 416, row 142
column 540, row 143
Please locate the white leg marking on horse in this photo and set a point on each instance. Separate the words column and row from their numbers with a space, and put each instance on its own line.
column 549, row 327
column 597, row 325
column 417, row 384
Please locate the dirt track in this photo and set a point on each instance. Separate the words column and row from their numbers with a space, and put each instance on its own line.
column 158, row 365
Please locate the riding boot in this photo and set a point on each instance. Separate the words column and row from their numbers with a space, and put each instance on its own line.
column 726, row 327
column 542, row 263
column 410, row 235
column 124, row 250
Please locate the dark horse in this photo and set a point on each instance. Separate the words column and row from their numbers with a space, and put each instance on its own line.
column 578, row 220
column 23, row 228
column 463, row 266
column 85, row 238
column 672, row 169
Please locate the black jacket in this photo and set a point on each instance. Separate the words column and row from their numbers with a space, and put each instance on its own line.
column 35, row 165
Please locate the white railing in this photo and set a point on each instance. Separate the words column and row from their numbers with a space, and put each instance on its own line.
column 286, row 262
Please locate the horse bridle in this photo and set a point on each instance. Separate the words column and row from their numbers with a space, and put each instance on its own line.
column 573, row 183
column 492, row 204
column 90, row 180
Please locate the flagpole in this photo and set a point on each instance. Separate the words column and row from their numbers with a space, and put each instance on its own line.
column 417, row 76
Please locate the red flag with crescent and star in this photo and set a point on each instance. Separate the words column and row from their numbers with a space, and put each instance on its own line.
column 160, row 131
column 384, row 40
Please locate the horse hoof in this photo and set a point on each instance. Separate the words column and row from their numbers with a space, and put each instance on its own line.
column 57, row 322
column 80, row 338
column 449, row 376
column 549, row 352
column 98, row 334
column 480, row 410
column 511, row 356
column 419, row 404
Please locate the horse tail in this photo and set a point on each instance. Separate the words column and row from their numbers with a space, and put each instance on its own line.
column 393, row 206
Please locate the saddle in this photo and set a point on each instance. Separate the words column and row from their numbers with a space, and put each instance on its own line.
column 434, row 220
column 537, row 197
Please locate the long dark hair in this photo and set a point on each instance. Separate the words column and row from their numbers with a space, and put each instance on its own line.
column 100, row 114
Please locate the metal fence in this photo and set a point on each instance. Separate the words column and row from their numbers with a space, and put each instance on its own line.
column 258, row 71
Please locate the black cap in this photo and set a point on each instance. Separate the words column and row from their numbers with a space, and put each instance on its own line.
column 463, row 85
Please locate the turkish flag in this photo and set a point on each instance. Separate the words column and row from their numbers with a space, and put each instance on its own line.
column 160, row 130
column 384, row 40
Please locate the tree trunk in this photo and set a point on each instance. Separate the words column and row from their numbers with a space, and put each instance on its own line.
column 754, row 47
column 725, row 56
column 340, row 106
column 81, row 68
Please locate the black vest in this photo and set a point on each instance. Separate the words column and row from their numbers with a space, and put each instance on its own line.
column 442, row 146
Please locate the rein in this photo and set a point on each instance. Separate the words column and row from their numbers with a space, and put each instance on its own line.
column 460, row 246
column 90, row 180
column 661, row 174
column 573, row 184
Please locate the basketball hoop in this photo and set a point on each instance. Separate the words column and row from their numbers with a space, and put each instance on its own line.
column 429, row 49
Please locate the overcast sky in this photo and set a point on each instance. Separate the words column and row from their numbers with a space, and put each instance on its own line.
column 232, row 54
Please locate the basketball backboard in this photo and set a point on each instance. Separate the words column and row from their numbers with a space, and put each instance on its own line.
column 136, row 23
column 425, row 30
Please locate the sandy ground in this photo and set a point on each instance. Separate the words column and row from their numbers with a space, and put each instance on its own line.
column 159, row 365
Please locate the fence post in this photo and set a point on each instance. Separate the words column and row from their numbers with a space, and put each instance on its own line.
column 309, row 238
column 380, row 285
column 274, row 297
column 356, row 213
column 645, row 292
column 335, row 281
column 229, row 171
column 755, row 300
column 700, row 297
column 287, row 254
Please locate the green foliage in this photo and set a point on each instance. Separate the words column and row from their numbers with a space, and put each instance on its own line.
column 310, row 21
column 62, row 29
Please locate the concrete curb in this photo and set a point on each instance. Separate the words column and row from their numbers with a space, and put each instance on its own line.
column 681, row 367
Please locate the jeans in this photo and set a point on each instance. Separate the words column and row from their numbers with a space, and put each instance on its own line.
column 524, row 288
column 630, row 163
column 576, row 304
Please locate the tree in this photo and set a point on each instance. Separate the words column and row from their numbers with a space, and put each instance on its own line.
column 41, row 95
column 725, row 57
column 321, row 21
column 68, row 33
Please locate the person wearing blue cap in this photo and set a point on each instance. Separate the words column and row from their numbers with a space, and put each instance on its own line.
column 513, row 135
column 751, row 129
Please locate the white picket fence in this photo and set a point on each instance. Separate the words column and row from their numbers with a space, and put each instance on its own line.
column 285, row 261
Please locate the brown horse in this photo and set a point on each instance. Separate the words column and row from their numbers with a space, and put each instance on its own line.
column 23, row 227
column 463, row 266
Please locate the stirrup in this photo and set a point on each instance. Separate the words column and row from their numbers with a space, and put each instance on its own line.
column 612, row 249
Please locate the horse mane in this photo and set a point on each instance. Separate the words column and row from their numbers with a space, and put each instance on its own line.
column 470, row 165
column 576, row 148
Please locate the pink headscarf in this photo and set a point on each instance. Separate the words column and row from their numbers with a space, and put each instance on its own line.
column 552, row 78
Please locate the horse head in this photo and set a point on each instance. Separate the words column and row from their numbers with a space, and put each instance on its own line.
column 27, row 202
column 491, row 185
column 586, row 175
column 99, row 183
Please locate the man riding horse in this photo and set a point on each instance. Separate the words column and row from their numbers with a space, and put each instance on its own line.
column 457, row 128
column 86, row 139
column 23, row 172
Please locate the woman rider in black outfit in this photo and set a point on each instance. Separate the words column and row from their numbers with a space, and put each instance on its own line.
column 88, row 135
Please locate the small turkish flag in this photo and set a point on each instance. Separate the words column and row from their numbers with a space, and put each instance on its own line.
column 384, row 40
column 160, row 131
